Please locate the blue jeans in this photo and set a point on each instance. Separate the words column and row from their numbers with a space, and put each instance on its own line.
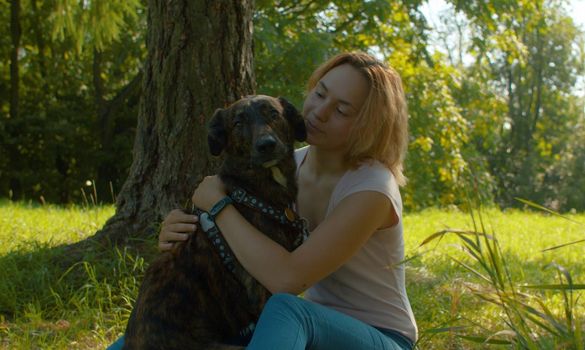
column 118, row 344
column 289, row 323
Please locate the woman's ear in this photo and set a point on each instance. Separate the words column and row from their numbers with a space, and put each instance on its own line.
column 216, row 133
column 295, row 119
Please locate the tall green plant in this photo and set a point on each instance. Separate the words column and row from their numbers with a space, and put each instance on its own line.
column 530, row 322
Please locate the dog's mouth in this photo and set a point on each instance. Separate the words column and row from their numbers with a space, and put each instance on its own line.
column 270, row 163
column 278, row 176
column 276, row 172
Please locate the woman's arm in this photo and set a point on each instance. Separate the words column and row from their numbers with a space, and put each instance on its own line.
column 329, row 246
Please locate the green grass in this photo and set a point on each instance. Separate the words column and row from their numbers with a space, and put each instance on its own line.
column 85, row 305
column 440, row 289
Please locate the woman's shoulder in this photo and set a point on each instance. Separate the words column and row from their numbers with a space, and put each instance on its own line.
column 370, row 171
column 369, row 176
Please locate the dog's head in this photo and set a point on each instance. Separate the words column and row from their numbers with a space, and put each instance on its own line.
column 261, row 128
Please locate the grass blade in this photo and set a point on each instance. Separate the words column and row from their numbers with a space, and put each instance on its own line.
column 563, row 245
column 550, row 211
column 561, row 286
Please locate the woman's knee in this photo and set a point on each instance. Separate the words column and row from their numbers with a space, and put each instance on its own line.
column 282, row 298
column 283, row 303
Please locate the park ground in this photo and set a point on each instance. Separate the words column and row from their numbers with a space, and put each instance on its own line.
column 85, row 304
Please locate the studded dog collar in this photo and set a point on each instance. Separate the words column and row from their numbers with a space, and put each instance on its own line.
column 239, row 195
column 283, row 216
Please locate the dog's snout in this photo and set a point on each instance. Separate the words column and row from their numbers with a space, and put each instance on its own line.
column 265, row 144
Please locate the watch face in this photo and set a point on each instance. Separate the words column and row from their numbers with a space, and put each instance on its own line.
column 206, row 222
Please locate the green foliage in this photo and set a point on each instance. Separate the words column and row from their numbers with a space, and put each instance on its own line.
column 293, row 38
column 55, row 145
column 495, row 113
column 102, row 20
column 526, row 61
column 439, row 135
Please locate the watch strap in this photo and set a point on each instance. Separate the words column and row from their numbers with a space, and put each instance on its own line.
column 219, row 206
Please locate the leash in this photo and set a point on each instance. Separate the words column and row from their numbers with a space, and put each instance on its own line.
column 239, row 195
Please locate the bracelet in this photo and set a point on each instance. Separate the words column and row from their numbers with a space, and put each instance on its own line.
column 219, row 206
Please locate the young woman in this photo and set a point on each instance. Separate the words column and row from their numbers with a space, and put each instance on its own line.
column 349, row 267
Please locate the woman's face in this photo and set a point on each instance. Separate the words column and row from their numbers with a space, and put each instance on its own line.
column 332, row 106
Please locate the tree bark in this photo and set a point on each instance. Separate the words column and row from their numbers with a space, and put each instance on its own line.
column 199, row 58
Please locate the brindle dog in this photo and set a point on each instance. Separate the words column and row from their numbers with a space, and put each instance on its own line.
column 189, row 299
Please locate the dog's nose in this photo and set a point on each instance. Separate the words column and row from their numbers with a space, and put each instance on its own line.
column 265, row 144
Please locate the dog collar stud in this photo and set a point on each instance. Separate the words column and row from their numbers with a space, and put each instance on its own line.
column 284, row 216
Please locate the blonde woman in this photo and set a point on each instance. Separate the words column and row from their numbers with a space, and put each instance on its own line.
column 349, row 178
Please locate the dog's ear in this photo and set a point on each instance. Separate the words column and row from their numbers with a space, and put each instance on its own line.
column 216, row 132
column 295, row 119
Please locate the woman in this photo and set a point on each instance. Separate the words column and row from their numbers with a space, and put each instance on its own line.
column 349, row 267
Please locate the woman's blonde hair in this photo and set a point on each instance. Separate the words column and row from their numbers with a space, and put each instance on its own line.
column 380, row 130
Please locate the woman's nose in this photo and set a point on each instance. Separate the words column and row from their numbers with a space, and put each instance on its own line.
column 323, row 111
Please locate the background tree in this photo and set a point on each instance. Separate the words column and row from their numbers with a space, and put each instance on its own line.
column 15, row 35
column 526, row 60
column 51, row 148
column 494, row 108
column 199, row 58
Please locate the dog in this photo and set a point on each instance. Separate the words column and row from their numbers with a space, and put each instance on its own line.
column 197, row 296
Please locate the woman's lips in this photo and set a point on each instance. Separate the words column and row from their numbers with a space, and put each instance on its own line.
column 312, row 126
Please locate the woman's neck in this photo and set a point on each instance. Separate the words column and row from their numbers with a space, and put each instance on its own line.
column 325, row 162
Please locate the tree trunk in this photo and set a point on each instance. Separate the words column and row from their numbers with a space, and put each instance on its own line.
column 15, row 33
column 199, row 59
column 37, row 30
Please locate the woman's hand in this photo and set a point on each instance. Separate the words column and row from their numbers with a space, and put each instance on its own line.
column 176, row 227
column 210, row 191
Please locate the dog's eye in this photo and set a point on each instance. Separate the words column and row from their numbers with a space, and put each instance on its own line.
column 237, row 121
column 274, row 114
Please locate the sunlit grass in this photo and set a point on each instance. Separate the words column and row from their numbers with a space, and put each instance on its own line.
column 44, row 305
column 435, row 278
column 86, row 305
column 23, row 223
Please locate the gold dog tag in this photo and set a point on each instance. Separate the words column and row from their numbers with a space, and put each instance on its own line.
column 290, row 215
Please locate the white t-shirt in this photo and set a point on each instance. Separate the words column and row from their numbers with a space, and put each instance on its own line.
column 371, row 285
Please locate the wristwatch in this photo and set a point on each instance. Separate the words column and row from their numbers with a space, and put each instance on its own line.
column 218, row 207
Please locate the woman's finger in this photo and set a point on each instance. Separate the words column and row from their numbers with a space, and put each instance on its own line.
column 181, row 227
column 177, row 216
column 173, row 237
column 164, row 246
